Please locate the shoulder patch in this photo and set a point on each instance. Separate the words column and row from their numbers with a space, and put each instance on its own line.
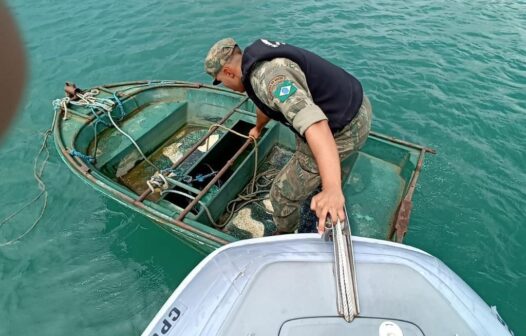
column 284, row 90
column 273, row 83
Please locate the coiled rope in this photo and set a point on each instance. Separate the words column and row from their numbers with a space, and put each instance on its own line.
column 253, row 191
column 251, row 194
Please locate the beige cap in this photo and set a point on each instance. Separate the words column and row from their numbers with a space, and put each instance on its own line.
column 217, row 57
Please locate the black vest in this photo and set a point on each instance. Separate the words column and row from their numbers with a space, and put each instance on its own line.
column 336, row 92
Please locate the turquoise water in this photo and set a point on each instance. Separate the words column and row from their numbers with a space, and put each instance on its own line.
column 450, row 75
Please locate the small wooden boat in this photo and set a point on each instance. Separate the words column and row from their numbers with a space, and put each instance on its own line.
column 285, row 285
column 175, row 152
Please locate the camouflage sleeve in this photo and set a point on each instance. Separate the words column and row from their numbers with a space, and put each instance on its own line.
column 281, row 85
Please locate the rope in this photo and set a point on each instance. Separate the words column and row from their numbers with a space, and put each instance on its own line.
column 99, row 119
column 157, row 183
column 133, row 142
column 84, row 157
column 88, row 99
column 119, row 103
column 243, row 136
column 37, row 174
column 62, row 104
column 107, row 105
column 209, row 215
column 251, row 194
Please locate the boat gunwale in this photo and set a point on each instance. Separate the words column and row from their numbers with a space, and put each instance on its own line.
column 79, row 167
column 83, row 169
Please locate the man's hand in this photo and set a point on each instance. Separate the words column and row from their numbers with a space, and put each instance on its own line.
column 254, row 132
column 328, row 202
column 261, row 121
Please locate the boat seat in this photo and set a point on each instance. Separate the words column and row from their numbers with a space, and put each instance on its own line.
column 149, row 129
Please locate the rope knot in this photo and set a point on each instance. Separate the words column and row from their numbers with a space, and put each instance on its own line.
column 158, row 183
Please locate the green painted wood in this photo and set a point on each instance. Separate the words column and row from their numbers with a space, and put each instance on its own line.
column 148, row 128
column 374, row 180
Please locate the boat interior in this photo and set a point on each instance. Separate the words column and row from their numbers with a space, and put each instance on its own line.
column 195, row 137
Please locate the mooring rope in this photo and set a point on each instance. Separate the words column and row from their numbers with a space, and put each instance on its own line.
column 88, row 99
column 84, row 157
column 37, row 173
column 132, row 141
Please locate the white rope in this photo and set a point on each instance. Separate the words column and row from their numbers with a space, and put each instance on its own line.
column 193, row 198
column 107, row 105
column 64, row 103
column 89, row 99
column 246, row 137
column 157, row 183
column 37, row 174
column 132, row 141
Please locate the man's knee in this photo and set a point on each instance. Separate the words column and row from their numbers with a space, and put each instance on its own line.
column 286, row 212
column 290, row 188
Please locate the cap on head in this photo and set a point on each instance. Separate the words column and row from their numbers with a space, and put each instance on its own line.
column 218, row 56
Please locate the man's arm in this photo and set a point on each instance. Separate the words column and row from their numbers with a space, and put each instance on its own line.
column 330, row 200
column 281, row 85
column 261, row 121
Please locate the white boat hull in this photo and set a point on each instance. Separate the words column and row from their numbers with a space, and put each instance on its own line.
column 285, row 286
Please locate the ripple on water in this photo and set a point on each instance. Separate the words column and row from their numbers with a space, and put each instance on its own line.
column 447, row 75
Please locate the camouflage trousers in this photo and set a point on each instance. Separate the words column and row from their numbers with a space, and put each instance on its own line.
column 300, row 177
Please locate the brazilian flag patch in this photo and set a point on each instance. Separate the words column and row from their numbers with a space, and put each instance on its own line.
column 284, row 90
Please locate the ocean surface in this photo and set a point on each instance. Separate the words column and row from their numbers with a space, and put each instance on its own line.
column 447, row 74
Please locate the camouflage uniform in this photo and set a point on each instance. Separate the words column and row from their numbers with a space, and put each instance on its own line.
column 281, row 85
column 300, row 177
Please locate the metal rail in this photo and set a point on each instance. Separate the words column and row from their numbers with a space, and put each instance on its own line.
column 223, row 170
column 400, row 225
column 401, row 222
column 402, row 142
column 82, row 168
column 145, row 194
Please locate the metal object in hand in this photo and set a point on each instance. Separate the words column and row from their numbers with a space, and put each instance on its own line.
column 344, row 268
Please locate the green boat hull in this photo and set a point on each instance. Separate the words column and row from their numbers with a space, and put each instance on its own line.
column 170, row 120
